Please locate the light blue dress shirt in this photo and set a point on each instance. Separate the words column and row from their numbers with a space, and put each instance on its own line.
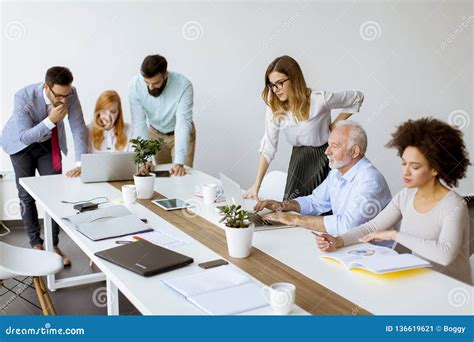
column 354, row 197
column 171, row 111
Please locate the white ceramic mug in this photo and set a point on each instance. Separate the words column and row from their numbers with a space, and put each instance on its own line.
column 129, row 194
column 209, row 193
column 281, row 296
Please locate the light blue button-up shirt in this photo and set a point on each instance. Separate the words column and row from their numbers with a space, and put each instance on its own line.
column 171, row 111
column 354, row 197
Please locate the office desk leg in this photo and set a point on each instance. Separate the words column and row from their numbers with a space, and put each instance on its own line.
column 55, row 284
column 112, row 299
column 48, row 245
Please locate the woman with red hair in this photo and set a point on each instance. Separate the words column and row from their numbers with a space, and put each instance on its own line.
column 107, row 131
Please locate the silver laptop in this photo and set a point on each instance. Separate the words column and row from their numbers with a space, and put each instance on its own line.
column 233, row 195
column 107, row 166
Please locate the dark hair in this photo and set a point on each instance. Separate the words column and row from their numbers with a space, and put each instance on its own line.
column 441, row 144
column 58, row 75
column 154, row 65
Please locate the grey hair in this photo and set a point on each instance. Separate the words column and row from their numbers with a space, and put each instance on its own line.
column 357, row 135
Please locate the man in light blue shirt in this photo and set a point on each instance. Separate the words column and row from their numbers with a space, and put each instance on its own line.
column 355, row 191
column 161, row 104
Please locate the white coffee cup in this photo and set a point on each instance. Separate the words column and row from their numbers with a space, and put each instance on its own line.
column 209, row 193
column 129, row 194
column 281, row 296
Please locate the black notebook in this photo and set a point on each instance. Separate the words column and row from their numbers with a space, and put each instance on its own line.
column 145, row 258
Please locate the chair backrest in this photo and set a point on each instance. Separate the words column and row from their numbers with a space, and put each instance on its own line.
column 4, row 274
column 273, row 186
column 15, row 261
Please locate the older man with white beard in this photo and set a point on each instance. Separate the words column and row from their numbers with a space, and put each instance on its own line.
column 355, row 191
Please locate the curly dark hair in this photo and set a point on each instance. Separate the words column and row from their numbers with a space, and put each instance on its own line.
column 441, row 144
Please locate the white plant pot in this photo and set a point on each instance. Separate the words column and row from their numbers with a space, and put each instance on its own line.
column 145, row 186
column 239, row 241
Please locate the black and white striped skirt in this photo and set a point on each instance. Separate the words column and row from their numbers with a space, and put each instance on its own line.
column 308, row 168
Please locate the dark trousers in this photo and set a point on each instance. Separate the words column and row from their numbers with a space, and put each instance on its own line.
column 25, row 163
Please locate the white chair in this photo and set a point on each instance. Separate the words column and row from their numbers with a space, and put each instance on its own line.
column 273, row 186
column 17, row 261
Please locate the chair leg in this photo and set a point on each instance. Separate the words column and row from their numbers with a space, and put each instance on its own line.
column 47, row 296
column 40, row 294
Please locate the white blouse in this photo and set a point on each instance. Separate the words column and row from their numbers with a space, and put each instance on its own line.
column 108, row 144
column 315, row 130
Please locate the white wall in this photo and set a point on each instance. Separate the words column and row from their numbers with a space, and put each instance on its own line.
column 415, row 60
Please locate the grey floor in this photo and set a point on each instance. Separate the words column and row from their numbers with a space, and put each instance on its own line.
column 78, row 300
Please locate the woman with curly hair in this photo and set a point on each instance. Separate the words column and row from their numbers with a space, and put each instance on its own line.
column 434, row 218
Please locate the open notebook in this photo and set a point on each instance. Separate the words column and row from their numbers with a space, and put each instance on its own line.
column 376, row 259
column 219, row 291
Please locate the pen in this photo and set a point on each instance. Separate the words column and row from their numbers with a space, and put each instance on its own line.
column 122, row 242
column 319, row 234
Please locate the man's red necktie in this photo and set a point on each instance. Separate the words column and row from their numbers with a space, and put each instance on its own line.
column 55, row 150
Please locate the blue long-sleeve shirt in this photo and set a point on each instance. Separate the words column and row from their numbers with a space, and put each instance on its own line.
column 354, row 197
column 171, row 111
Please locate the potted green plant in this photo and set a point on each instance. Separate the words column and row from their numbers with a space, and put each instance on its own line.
column 144, row 180
column 238, row 230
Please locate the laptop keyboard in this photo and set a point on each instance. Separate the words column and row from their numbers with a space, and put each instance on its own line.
column 259, row 221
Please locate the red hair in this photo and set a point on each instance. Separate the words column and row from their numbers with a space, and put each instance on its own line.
column 105, row 100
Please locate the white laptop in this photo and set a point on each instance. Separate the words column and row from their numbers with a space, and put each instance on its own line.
column 107, row 166
column 234, row 195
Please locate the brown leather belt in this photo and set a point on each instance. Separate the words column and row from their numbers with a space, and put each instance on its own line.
column 157, row 131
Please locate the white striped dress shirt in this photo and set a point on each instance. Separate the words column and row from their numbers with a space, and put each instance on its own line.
column 315, row 130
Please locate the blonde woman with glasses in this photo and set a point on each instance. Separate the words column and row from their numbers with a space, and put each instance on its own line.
column 304, row 115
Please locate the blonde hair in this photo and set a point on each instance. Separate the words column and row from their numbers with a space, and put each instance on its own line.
column 298, row 98
column 106, row 99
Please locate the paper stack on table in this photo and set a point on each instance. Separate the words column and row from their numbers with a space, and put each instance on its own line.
column 219, row 291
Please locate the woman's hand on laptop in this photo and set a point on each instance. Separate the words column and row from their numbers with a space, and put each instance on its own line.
column 76, row 172
column 252, row 192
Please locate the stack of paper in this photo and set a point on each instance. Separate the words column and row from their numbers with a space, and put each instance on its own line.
column 107, row 223
column 160, row 239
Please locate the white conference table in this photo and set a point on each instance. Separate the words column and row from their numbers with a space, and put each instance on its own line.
column 422, row 292
column 149, row 295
